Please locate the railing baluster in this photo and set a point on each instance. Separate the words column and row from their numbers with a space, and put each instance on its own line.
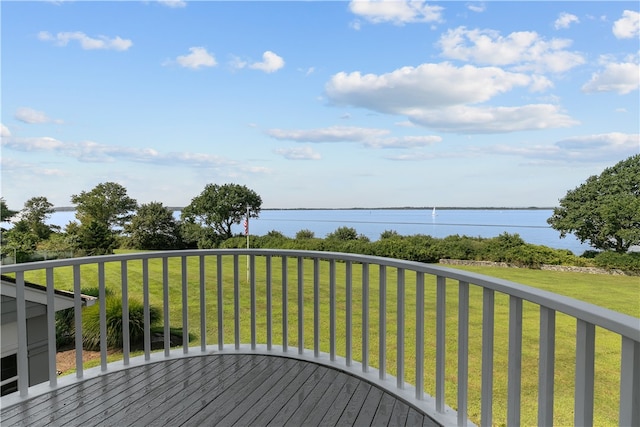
column 400, row 330
column 145, row 309
column 285, row 307
column 285, row 311
column 21, row 319
column 316, row 307
column 546, row 366
column 102, row 300
column 51, row 329
column 203, row 306
column 252, row 268
column 219, row 278
column 300, row 305
column 486, row 410
column 269, row 303
column 419, row 335
column 382, row 322
column 440, row 341
column 125, row 312
column 185, row 306
column 236, row 301
column 585, row 352
column 332, row 310
column 629, row 383
column 77, row 313
column 515, row 361
column 165, row 301
column 348, row 312
column 365, row 317
column 463, row 351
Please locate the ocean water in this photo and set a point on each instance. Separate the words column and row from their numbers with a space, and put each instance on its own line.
column 530, row 224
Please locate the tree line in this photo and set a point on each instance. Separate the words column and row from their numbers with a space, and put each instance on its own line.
column 604, row 211
column 107, row 218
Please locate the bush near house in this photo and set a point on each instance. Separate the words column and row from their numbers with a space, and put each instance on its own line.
column 65, row 326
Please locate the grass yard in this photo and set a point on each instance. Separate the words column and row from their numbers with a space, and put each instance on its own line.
column 620, row 293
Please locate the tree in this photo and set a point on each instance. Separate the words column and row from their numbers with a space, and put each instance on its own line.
column 5, row 213
column 153, row 227
column 605, row 210
column 107, row 204
column 35, row 212
column 218, row 207
column 95, row 238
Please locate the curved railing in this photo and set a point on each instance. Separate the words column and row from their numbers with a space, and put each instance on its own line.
column 386, row 320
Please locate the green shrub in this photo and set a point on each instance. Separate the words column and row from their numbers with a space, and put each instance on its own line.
column 305, row 234
column 388, row 234
column 91, row 323
column 343, row 233
column 629, row 262
column 65, row 326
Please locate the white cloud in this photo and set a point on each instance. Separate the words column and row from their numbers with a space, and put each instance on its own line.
column 4, row 131
column 369, row 137
column 586, row 148
column 523, row 50
column 270, row 63
column 622, row 78
column 613, row 141
column 628, row 26
column 437, row 96
column 329, row 134
column 477, row 120
column 94, row 152
column 173, row 3
column 86, row 42
column 199, row 57
column 477, row 7
column 398, row 12
column 31, row 116
column 565, row 20
column 404, row 142
column 298, row 153
column 18, row 168
column 426, row 86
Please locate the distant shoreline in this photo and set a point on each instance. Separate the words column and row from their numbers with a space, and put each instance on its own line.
column 447, row 208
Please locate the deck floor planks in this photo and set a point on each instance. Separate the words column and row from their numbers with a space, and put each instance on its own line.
column 331, row 417
column 215, row 409
column 297, row 398
column 89, row 399
column 327, row 403
column 219, row 389
column 260, row 398
column 47, row 404
column 384, row 410
column 369, row 407
column 110, row 399
column 399, row 414
column 281, row 398
column 158, row 392
column 312, row 399
column 356, row 401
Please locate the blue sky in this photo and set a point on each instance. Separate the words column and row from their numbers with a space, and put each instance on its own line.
column 318, row 104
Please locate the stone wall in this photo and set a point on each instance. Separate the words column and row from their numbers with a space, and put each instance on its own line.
column 590, row 270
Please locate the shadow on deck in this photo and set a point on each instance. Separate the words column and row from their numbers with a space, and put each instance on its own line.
column 219, row 389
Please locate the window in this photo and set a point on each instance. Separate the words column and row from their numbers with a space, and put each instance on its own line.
column 9, row 380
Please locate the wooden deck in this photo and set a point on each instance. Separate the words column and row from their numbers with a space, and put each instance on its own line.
column 221, row 390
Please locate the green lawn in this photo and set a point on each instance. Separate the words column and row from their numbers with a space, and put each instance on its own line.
column 619, row 293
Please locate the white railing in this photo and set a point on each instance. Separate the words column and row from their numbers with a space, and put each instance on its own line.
column 344, row 328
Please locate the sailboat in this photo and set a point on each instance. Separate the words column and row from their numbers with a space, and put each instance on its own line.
column 433, row 212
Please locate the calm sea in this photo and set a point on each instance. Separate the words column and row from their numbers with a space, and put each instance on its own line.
column 530, row 224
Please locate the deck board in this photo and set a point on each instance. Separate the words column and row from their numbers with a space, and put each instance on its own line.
column 218, row 389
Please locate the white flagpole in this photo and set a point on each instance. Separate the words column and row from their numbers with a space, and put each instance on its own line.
column 246, row 231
